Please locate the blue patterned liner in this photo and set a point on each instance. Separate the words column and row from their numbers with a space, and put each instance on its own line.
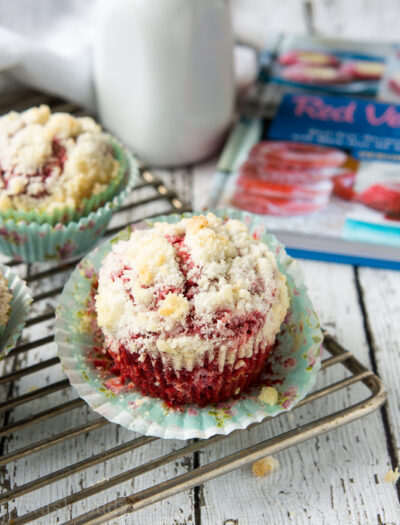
column 294, row 363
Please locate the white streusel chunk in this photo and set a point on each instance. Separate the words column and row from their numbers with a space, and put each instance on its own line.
column 268, row 395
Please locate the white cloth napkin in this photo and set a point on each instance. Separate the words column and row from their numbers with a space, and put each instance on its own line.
column 47, row 45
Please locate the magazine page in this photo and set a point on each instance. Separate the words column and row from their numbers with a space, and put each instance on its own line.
column 316, row 163
column 322, row 166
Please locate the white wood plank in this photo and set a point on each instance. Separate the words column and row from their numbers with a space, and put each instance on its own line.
column 202, row 183
column 335, row 479
column 178, row 180
column 255, row 20
column 359, row 19
column 381, row 290
column 370, row 20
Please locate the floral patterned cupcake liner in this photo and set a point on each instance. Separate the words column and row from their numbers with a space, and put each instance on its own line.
column 32, row 241
column 291, row 368
column 20, row 305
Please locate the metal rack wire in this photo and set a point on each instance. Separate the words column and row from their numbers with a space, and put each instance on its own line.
column 40, row 277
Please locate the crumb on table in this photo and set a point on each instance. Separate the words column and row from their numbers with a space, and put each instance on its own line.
column 392, row 476
column 264, row 466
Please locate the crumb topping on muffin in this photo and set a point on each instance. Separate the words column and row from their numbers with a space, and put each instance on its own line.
column 185, row 290
column 5, row 299
column 50, row 161
column 268, row 395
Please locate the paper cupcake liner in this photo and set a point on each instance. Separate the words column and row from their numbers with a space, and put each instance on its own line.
column 35, row 242
column 292, row 366
column 20, row 305
column 66, row 215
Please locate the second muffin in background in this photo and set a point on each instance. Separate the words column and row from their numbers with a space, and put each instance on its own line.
column 61, row 176
column 53, row 162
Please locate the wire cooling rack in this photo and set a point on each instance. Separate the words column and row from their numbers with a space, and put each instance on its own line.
column 38, row 404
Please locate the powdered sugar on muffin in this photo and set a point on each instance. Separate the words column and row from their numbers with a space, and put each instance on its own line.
column 51, row 161
column 183, row 292
column 5, row 299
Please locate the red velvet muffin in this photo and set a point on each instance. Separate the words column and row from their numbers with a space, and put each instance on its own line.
column 52, row 161
column 190, row 310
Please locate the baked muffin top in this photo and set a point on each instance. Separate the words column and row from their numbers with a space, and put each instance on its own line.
column 184, row 288
column 52, row 161
column 5, row 298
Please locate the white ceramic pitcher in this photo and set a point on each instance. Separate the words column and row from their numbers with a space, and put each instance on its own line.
column 164, row 76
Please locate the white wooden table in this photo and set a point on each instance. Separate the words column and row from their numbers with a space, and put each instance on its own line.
column 335, row 479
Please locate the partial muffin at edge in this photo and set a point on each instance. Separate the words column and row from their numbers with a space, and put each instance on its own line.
column 5, row 300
